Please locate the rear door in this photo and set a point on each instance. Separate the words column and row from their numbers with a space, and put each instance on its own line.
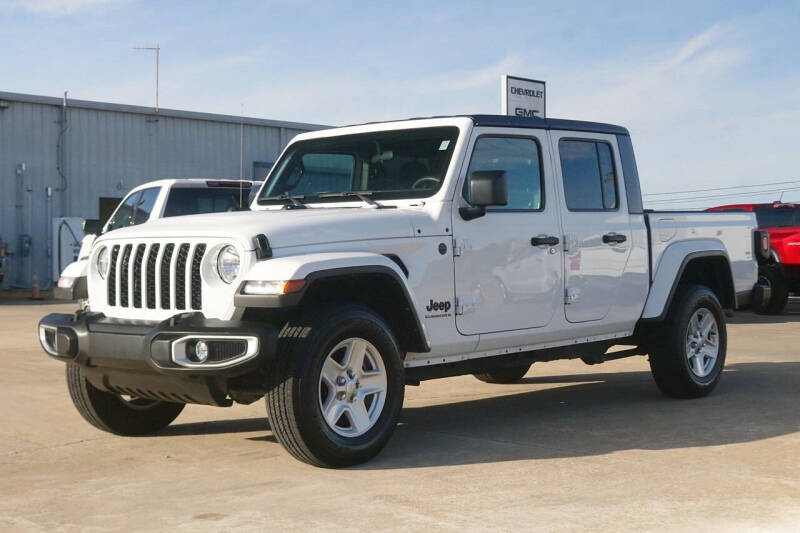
column 504, row 280
column 597, row 232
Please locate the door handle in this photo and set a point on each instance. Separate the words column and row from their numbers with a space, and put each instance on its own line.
column 548, row 240
column 614, row 238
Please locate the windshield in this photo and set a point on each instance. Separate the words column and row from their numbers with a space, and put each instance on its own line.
column 777, row 217
column 199, row 200
column 387, row 165
column 135, row 209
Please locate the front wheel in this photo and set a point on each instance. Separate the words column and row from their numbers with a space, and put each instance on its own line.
column 117, row 414
column 687, row 353
column 336, row 389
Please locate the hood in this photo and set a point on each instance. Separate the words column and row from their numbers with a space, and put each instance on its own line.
column 283, row 227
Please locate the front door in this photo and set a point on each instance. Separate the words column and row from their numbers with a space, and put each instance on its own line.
column 597, row 231
column 508, row 266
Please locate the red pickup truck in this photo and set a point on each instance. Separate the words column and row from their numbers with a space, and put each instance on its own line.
column 782, row 273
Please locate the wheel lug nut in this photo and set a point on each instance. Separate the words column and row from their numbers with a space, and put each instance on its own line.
column 340, row 380
column 340, row 396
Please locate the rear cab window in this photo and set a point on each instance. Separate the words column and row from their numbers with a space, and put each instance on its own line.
column 201, row 200
column 588, row 171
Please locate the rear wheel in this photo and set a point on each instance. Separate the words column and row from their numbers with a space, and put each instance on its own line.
column 336, row 389
column 117, row 414
column 504, row 376
column 687, row 353
column 772, row 276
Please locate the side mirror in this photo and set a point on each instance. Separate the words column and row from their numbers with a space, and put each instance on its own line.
column 486, row 188
column 92, row 226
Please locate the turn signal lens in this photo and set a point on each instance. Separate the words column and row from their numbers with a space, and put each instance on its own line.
column 265, row 288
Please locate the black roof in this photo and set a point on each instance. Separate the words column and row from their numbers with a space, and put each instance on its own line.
column 505, row 121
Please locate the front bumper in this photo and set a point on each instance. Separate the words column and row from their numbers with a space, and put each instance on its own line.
column 149, row 359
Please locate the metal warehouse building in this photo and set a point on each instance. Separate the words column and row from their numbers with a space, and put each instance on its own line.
column 59, row 156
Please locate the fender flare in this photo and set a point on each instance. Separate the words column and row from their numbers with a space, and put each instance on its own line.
column 317, row 267
column 671, row 267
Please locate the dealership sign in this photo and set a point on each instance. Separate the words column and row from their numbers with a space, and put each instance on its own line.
column 523, row 97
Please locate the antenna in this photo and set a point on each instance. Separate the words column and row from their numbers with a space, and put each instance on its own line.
column 241, row 157
column 157, row 49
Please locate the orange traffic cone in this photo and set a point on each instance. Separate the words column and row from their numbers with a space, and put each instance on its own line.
column 35, row 286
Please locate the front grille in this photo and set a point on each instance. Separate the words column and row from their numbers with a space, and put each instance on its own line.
column 153, row 276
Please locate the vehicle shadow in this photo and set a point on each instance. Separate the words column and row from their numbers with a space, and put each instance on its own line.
column 577, row 415
column 596, row 414
column 215, row 427
column 790, row 314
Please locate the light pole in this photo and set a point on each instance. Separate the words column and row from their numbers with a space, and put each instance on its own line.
column 157, row 50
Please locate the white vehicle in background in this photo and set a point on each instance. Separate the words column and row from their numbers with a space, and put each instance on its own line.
column 151, row 201
column 380, row 255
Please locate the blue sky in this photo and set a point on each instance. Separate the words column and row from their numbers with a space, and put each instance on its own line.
column 709, row 90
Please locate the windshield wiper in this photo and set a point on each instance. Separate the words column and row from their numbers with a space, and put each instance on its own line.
column 364, row 196
column 294, row 199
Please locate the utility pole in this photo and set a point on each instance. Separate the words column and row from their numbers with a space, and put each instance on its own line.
column 157, row 49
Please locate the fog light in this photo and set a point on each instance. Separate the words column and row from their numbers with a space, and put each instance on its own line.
column 201, row 351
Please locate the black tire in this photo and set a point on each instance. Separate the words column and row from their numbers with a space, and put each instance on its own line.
column 504, row 376
column 294, row 386
column 773, row 276
column 111, row 413
column 669, row 361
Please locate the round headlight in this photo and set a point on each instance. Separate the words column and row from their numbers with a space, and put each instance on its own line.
column 102, row 262
column 228, row 264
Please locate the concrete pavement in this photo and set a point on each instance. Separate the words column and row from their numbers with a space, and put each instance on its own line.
column 571, row 448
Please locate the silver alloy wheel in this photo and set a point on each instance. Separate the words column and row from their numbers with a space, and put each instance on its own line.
column 352, row 387
column 702, row 342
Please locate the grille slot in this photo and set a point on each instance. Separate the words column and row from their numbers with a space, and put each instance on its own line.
column 180, row 276
column 156, row 276
column 151, row 276
column 112, row 277
column 197, row 286
column 137, row 276
column 123, row 275
column 165, row 273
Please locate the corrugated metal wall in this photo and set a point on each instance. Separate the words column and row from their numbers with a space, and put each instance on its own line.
column 107, row 150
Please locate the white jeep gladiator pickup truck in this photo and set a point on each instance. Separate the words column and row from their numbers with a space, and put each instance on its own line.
column 379, row 255
column 149, row 202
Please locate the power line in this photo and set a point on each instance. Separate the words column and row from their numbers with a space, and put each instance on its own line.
column 723, row 188
column 720, row 196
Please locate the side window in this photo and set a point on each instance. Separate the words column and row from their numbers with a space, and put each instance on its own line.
column 519, row 157
column 144, row 206
column 590, row 182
